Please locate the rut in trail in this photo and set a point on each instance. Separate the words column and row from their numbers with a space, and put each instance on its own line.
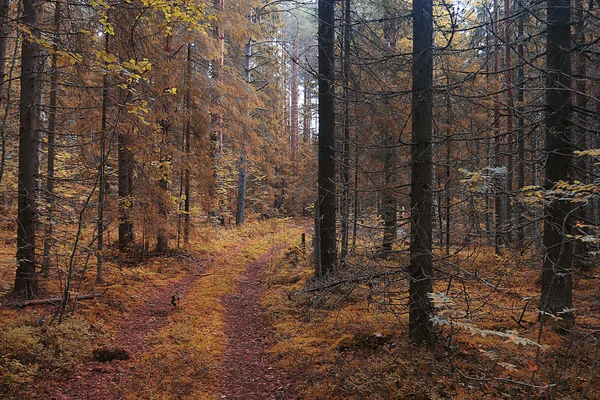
column 248, row 372
column 106, row 381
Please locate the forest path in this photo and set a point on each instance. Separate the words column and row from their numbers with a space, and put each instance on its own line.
column 248, row 371
column 104, row 381
column 234, row 277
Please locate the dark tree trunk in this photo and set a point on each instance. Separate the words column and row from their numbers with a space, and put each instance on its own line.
column 509, row 124
column 421, row 199
column 326, row 196
column 49, row 195
column 101, row 170
column 25, row 280
column 4, row 32
column 345, row 203
column 241, row 197
column 557, row 277
column 187, row 138
column 162, row 240
column 581, row 167
column 499, row 239
column 520, row 211
column 447, row 196
column 243, row 167
column 125, row 166
column 389, row 212
column 294, row 105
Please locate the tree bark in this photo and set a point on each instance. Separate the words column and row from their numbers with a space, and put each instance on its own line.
column 421, row 199
column 4, row 32
column 557, row 277
column 25, row 280
column 307, row 110
column 101, row 174
column 580, row 117
column 500, row 218
column 520, row 210
column 49, row 195
column 509, row 124
column 345, row 203
column 243, row 166
column 294, row 105
column 241, row 196
column 187, row 138
column 389, row 212
column 326, row 196
column 124, row 192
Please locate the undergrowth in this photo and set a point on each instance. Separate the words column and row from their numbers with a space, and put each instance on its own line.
column 28, row 351
column 349, row 341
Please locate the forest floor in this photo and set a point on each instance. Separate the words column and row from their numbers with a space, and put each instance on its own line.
column 238, row 315
column 201, row 333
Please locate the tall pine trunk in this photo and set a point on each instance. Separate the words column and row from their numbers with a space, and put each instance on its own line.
column 49, row 195
column 498, row 159
column 345, row 203
column 326, row 196
column 580, row 129
column 508, row 93
column 101, row 172
column 520, row 210
column 243, row 166
column 4, row 32
column 25, row 280
column 187, row 149
column 389, row 211
column 557, row 295
column 125, row 167
column 421, row 198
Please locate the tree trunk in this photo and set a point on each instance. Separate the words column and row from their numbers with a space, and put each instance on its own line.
column 326, row 197
column 520, row 211
column 345, row 211
column 307, row 114
column 4, row 32
column 447, row 197
column 187, row 138
column 294, row 105
column 49, row 195
column 243, row 167
column 101, row 174
column 498, row 198
column 580, row 164
column 389, row 212
column 557, row 277
column 241, row 196
column 509, row 124
column 421, row 199
column 124, row 192
column 25, row 280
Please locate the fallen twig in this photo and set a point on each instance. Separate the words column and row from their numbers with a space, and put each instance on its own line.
column 50, row 300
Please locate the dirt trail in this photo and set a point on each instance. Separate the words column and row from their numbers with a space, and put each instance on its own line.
column 248, row 373
column 102, row 381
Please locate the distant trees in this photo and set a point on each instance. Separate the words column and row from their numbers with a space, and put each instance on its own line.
column 115, row 124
